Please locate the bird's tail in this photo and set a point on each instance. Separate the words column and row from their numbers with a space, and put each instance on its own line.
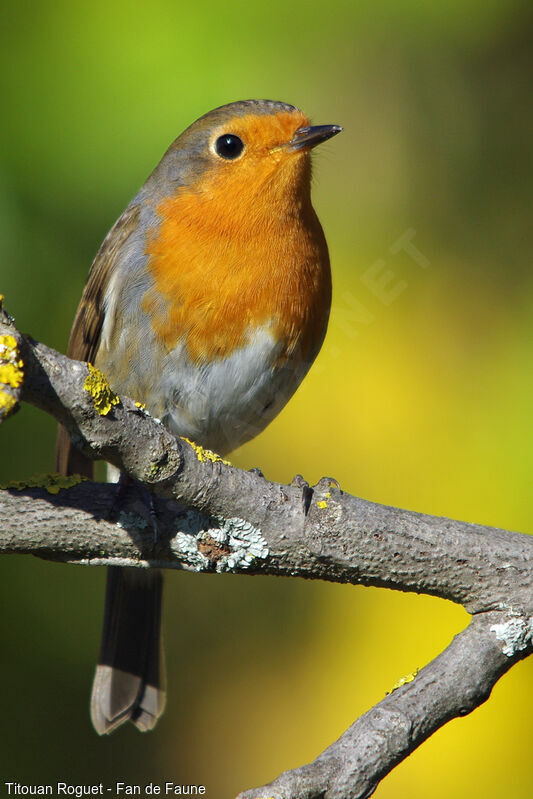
column 129, row 684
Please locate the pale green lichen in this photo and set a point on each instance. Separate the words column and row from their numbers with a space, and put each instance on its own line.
column 131, row 521
column 515, row 632
column 245, row 542
column 52, row 482
column 203, row 454
column 234, row 544
column 187, row 546
column 103, row 395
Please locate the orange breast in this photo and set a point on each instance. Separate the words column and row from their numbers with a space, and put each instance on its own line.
column 225, row 261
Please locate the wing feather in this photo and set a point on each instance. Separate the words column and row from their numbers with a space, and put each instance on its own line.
column 87, row 327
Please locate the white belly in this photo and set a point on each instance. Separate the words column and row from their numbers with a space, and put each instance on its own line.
column 228, row 401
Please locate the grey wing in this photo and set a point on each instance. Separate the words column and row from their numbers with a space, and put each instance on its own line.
column 86, row 329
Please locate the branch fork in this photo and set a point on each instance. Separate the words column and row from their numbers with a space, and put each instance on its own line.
column 215, row 517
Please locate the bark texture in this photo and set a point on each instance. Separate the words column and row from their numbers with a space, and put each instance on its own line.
column 214, row 517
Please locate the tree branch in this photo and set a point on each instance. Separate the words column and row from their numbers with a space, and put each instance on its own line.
column 216, row 517
column 452, row 685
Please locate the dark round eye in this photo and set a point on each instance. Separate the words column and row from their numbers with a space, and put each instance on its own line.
column 229, row 146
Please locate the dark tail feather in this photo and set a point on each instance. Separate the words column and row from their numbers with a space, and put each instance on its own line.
column 68, row 458
column 129, row 684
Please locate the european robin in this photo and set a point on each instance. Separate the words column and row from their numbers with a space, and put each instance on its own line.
column 208, row 301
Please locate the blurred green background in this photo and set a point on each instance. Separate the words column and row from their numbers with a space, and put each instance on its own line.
column 420, row 398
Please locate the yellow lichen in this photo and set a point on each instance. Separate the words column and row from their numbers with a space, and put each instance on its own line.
column 322, row 503
column 7, row 403
column 11, row 375
column 103, row 395
column 140, row 405
column 205, row 455
column 53, row 482
column 11, row 372
column 8, row 341
column 403, row 681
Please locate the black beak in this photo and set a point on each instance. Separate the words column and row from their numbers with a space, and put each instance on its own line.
column 308, row 137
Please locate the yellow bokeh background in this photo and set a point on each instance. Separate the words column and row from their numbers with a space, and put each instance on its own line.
column 419, row 398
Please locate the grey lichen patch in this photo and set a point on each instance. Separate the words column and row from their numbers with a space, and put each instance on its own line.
column 245, row 543
column 234, row 544
column 187, row 546
column 516, row 633
column 131, row 521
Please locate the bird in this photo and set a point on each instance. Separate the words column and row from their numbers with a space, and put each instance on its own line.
column 207, row 301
